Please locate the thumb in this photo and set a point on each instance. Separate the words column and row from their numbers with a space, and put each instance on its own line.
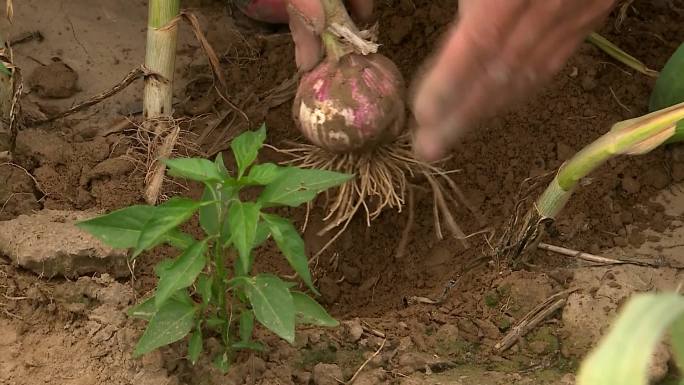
column 307, row 22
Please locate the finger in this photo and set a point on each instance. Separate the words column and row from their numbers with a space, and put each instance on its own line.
column 307, row 20
column 311, row 12
column 462, row 69
column 362, row 10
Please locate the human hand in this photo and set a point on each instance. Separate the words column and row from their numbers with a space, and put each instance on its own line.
column 307, row 22
column 497, row 53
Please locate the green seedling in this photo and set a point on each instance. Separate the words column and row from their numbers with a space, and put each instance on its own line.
column 623, row 355
column 209, row 288
column 663, row 125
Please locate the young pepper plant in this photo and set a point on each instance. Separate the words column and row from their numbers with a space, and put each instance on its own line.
column 209, row 287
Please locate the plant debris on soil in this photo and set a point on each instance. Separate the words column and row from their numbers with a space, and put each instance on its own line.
column 68, row 330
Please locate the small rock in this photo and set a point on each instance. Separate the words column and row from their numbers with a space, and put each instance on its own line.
column 589, row 83
column 620, row 241
column 626, row 217
column 55, row 80
column 657, row 178
column 568, row 379
column 594, row 249
column 371, row 377
column 49, row 243
column 414, row 361
column 678, row 171
column 255, row 365
column 353, row 330
column 447, row 333
column 327, row 374
column 111, row 167
column 330, row 290
column 301, row 377
column 630, row 185
column 153, row 360
column 488, row 328
column 351, row 273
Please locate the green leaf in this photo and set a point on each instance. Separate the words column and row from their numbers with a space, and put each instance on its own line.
column 669, row 88
column 221, row 166
column 295, row 186
column 222, row 362
column 624, row 354
column 162, row 266
column 291, row 245
column 195, row 346
column 262, row 233
column 197, row 169
column 263, row 174
column 215, row 322
column 677, row 338
column 311, row 312
column 4, row 69
column 169, row 324
column 121, row 228
column 246, row 148
column 242, row 221
column 272, row 304
column 210, row 215
column 144, row 310
column 182, row 273
column 178, row 239
column 204, row 283
column 246, row 325
column 166, row 217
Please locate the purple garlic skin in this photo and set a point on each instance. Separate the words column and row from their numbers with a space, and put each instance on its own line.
column 352, row 105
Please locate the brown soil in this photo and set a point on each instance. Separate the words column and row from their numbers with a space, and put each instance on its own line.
column 75, row 332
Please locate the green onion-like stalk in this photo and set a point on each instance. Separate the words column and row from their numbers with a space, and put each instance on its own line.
column 630, row 137
column 160, row 57
column 618, row 54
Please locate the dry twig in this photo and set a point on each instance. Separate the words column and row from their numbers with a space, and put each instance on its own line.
column 533, row 318
column 358, row 371
column 125, row 82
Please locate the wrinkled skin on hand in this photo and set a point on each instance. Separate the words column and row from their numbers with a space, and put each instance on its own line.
column 498, row 52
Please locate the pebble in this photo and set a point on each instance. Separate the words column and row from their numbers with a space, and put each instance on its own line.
column 620, row 241
column 627, row 217
column 589, row 83
column 353, row 330
column 630, row 185
column 301, row 377
column 657, row 178
column 327, row 374
column 330, row 290
column 447, row 333
column 351, row 274
column 678, row 171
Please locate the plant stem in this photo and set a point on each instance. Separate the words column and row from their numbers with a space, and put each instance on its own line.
column 633, row 137
column 618, row 54
column 160, row 58
column 6, row 98
column 342, row 36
